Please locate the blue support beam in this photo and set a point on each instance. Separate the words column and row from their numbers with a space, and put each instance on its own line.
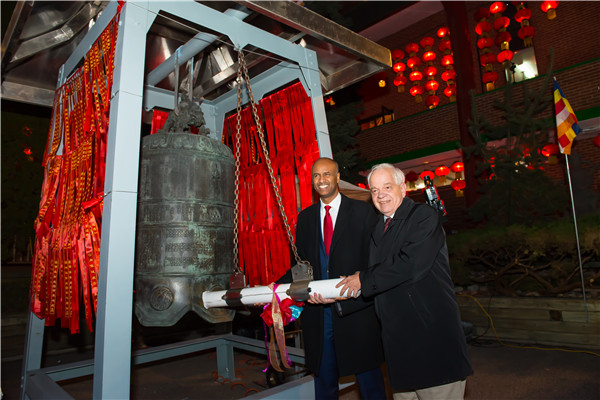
column 112, row 357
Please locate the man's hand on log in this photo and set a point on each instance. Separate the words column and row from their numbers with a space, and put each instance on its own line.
column 351, row 284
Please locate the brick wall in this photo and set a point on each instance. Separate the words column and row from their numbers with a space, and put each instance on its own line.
column 573, row 36
column 440, row 125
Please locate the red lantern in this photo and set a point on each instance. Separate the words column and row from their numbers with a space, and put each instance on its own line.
column 411, row 178
column 416, row 91
column 497, row 7
column 443, row 32
column 483, row 27
column 397, row 54
column 399, row 67
column 427, row 41
column 400, row 80
column 501, row 23
column 432, row 85
column 502, row 40
column 432, row 101
column 426, row 173
column 526, row 32
column 430, row 71
column 448, row 75
column 458, row 169
column 411, row 48
column 597, row 140
column 505, row 56
column 446, row 60
column 413, row 62
column 551, row 151
column 442, row 171
column 415, row 76
column 522, row 14
column 444, row 46
column 549, row 7
column 487, row 58
column 458, row 185
column 489, row 78
column 484, row 42
column 450, row 91
column 428, row 56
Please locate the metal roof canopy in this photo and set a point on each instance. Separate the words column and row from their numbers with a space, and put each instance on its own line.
column 278, row 62
column 42, row 35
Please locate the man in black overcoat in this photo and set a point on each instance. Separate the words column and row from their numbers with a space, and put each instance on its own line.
column 340, row 338
column 409, row 277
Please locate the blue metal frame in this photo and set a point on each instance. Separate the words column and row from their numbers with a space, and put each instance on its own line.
column 112, row 357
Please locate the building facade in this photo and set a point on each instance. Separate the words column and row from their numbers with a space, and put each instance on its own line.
column 398, row 129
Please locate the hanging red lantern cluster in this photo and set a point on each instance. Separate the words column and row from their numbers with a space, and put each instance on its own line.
column 549, row 7
column 522, row 16
column 484, row 43
column 415, row 76
column 458, row 184
column 503, row 38
column 449, row 74
column 399, row 67
column 430, row 71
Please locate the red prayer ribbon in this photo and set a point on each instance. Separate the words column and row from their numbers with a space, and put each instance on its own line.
column 67, row 247
column 264, row 250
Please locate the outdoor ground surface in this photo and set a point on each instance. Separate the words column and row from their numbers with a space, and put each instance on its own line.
column 500, row 373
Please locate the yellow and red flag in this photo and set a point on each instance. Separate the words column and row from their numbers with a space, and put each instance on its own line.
column 566, row 121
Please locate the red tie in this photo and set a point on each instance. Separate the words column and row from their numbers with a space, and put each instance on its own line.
column 388, row 221
column 327, row 230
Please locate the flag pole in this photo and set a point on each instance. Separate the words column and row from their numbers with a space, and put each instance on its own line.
column 585, row 306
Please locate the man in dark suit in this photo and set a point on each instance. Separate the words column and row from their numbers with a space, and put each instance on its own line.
column 340, row 338
column 409, row 276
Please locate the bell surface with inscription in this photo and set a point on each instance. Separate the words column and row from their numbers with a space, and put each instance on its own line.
column 184, row 240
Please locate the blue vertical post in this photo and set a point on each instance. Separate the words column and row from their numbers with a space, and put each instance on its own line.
column 34, row 344
column 312, row 81
column 225, row 360
column 112, row 357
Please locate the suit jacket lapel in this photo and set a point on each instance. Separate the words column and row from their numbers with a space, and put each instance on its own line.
column 318, row 239
column 377, row 233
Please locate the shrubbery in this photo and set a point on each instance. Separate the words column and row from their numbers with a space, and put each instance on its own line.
column 521, row 260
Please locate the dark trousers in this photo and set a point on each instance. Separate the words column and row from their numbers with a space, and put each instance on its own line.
column 370, row 383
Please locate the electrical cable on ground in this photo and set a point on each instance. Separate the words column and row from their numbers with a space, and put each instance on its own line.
column 523, row 347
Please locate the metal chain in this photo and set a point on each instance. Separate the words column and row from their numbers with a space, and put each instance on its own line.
column 236, row 201
column 243, row 69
